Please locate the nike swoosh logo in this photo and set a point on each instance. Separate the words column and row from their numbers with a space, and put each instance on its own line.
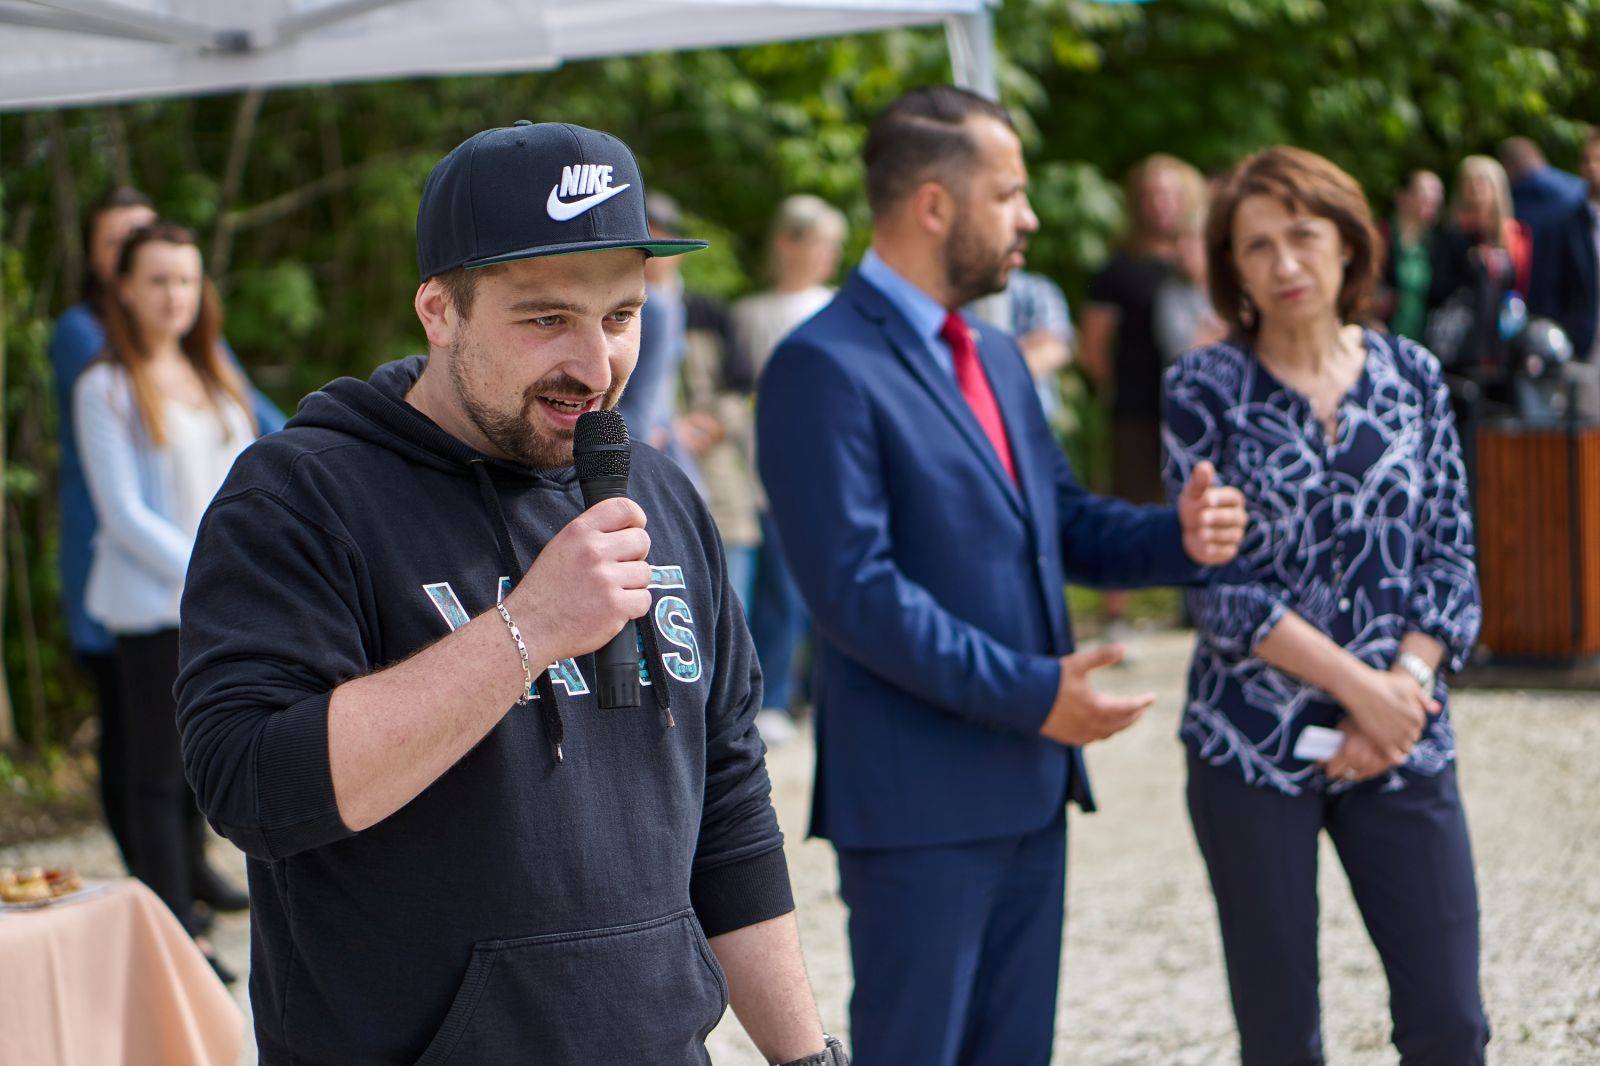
column 562, row 211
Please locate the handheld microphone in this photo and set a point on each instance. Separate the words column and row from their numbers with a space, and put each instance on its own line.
column 603, row 454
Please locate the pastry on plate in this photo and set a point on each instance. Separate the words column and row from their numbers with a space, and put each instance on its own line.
column 27, row 885
column 63, row 880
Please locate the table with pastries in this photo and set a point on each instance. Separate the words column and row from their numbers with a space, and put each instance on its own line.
column 105, row 974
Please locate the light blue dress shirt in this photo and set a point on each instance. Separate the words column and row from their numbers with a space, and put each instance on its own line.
column 925, row 314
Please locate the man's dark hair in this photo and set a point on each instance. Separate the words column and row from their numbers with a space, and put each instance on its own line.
column 1519, row 156
column 94, row 293
column 923, row 135
column 461, row 286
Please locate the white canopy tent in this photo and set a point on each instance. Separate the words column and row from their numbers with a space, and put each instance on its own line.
column 57, row 53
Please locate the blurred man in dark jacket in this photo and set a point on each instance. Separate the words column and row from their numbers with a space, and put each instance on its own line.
column 1566, row 268
column 1540, row 193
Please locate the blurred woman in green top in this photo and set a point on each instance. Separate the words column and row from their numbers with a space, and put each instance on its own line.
column 1408, row 270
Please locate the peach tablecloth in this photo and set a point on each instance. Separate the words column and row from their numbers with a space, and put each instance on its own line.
column 112, row 979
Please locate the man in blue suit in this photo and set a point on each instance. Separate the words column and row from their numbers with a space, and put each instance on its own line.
column 931, row 523
column 1566, row 263
column 1540, row 194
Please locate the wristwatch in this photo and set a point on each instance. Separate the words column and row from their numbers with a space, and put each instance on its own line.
column 1420, row 671
column 831, row 1055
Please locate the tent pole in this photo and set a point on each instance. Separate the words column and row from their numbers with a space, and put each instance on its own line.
column 972, row 51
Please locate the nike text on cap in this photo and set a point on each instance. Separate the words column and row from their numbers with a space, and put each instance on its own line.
column 533, row 189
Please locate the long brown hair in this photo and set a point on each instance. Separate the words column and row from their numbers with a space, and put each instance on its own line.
column 125, row 342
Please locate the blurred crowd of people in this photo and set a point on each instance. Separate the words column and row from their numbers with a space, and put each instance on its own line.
column 1518, row 239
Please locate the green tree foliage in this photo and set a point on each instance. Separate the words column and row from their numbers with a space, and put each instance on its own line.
column 314, row 236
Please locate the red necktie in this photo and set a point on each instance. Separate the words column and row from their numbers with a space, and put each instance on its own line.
column 974, row 384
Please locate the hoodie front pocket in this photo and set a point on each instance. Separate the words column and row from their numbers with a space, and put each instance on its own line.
column 648, row 992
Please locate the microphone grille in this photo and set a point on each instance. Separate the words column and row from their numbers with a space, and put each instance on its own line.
column 597, row 428
column 600, row 445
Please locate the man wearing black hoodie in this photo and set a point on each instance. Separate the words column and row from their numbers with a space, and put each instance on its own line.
column 454, row 856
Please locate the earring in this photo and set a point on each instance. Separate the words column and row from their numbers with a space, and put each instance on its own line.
column 1247, row 313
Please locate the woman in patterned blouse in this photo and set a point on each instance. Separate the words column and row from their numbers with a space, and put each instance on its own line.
column 1354, row 588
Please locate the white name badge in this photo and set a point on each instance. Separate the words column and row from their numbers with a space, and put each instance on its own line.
column 1317, row 744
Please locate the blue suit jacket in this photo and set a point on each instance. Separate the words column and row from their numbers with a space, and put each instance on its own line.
column 936, row 584
column 1564, row 277
column 1546, row 195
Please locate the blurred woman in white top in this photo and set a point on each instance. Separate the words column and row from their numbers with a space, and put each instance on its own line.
column 160, row 419
column 807, row 240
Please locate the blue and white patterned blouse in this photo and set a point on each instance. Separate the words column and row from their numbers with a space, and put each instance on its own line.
column 1367, row 538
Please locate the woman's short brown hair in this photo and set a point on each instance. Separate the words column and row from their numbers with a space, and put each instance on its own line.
column 1303, row 182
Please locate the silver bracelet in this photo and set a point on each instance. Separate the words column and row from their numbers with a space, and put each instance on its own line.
column 1423, row 674
column 522, row 650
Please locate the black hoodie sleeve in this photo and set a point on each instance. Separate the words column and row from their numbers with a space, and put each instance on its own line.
column 740, row 876
column 271, row 625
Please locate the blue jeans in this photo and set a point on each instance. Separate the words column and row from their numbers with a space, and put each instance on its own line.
column 778, row 619
column 742, row 572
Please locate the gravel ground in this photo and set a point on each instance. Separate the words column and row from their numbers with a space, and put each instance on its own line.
column 1143, row 981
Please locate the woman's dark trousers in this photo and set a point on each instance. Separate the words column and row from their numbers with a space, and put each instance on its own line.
column 1409, row 862
column 164, row 824
column 102, row 670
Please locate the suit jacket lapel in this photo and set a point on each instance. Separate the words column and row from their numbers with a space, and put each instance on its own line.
column 940, row 385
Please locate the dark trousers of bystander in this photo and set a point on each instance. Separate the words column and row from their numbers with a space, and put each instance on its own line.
column 1409, row 861
column 164, row 823
column 1136, row 459
column 102, row 671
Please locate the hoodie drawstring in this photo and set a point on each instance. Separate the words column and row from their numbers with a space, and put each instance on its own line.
column 549, row 712
column 497, row 518
column 652, row 655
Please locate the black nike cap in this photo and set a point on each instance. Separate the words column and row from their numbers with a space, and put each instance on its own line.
column 534, row 189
